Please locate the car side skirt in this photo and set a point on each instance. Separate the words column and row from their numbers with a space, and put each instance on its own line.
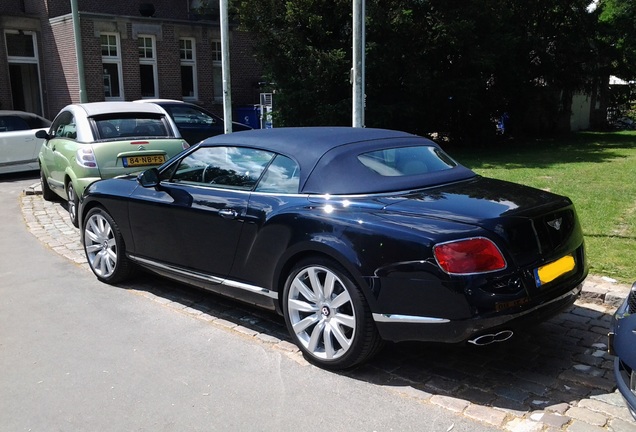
column 203, row 280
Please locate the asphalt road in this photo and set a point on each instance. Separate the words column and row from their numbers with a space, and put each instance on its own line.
column 78, row 355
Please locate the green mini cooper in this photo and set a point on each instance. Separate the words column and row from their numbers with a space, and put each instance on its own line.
column 98, row 140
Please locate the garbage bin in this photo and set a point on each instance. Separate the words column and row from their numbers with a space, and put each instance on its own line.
column 249, row 115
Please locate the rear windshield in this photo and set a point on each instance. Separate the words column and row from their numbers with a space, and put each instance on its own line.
column 140, row 125
column 407, row 161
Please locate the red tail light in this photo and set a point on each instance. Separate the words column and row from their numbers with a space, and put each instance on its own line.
column 475, row 255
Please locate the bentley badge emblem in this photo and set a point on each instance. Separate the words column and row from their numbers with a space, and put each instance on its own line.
column 556, row 223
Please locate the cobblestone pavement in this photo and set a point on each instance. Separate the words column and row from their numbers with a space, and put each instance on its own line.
column 557, row 377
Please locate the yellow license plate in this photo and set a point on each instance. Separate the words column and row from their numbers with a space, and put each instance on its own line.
column 550, row 272
column 132, row 161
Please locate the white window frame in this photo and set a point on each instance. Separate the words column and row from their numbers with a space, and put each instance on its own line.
column 150, row 61
column 191, row 62
column 217, row 70
column 116, row 60
column 23, row 59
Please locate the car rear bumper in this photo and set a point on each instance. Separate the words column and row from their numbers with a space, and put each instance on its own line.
column 622, row 338
column 623, row 373
column 399, row 328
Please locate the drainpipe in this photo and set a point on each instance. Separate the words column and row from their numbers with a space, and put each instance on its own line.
column 77, row 33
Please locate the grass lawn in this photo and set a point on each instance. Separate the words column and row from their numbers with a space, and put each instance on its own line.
column 596, row 170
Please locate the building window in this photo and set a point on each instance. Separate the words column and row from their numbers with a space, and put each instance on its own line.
column 24, row 70
column 188, row 68
column 148, row 66
column 217, row 71
column 111, row 66
column 216, row 51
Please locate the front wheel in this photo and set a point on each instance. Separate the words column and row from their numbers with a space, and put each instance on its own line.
column 327, row 315
column 104, row 247
column 47, row 193
column 73, row 203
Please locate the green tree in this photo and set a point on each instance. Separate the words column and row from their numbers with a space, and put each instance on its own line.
column 304, row 48
column 618, row 36
column 446, row 66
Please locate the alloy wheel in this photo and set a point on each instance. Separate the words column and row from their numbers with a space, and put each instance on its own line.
column 321, row 313
column 100, row 245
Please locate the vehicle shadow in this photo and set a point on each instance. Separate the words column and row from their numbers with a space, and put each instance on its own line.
column 551, row 367
column 561, row 361
column 19, row 176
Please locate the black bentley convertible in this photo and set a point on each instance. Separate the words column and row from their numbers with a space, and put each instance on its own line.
column 354, row 235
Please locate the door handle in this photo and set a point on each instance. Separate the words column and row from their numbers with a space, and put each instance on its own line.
column 228, row 213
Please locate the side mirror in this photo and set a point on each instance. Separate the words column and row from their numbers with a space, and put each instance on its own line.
column 42, row 134
column 149, row 178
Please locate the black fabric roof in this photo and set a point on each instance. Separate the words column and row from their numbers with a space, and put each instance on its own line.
column 328, row 161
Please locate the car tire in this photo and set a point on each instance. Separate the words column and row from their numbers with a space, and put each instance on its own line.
column 327, row 315
column 47, row 193
column 73, row 203
column 104, row 247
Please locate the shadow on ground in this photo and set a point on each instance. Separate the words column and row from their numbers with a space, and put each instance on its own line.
column 558, row 363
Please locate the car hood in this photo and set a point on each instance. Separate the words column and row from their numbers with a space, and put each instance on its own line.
column 530, row 222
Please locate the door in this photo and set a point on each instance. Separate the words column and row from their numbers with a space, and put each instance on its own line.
column 54, row 161
column 195, row 217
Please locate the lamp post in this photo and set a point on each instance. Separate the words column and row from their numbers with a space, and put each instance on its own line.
column 225, row 65
column 77, row 33
column 358, row 71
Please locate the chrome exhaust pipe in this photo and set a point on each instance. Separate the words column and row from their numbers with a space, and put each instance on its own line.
column 488, row 339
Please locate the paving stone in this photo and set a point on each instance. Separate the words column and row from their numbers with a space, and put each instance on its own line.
column 523, row 425
column 579, row 426
column 614, row 398
column 485, row 414
column 617, row 425
column 620, row 412
column 439, row 385
column 552, row 419
column 450, row 403
column 244, row 330
column 515, row 394
column 476, row 396
column 225, row 323
column 558, row 408
column 588, row 380
column 587, row 416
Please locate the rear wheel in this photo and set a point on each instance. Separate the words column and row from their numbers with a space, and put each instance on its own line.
column 73, row 203
column 47, row 193
column 104, row 247
column 327, row 315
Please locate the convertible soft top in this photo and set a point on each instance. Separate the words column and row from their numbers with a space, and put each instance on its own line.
column 328, row 157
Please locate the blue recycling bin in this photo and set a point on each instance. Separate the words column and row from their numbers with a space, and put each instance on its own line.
column 249, row 115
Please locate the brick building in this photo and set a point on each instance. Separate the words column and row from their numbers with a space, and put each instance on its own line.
column 130, row 51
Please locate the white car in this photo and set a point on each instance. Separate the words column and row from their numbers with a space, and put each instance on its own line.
column 19, row 147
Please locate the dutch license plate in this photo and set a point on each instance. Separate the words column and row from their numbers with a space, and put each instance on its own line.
column 550, row 272
column 132, row 161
